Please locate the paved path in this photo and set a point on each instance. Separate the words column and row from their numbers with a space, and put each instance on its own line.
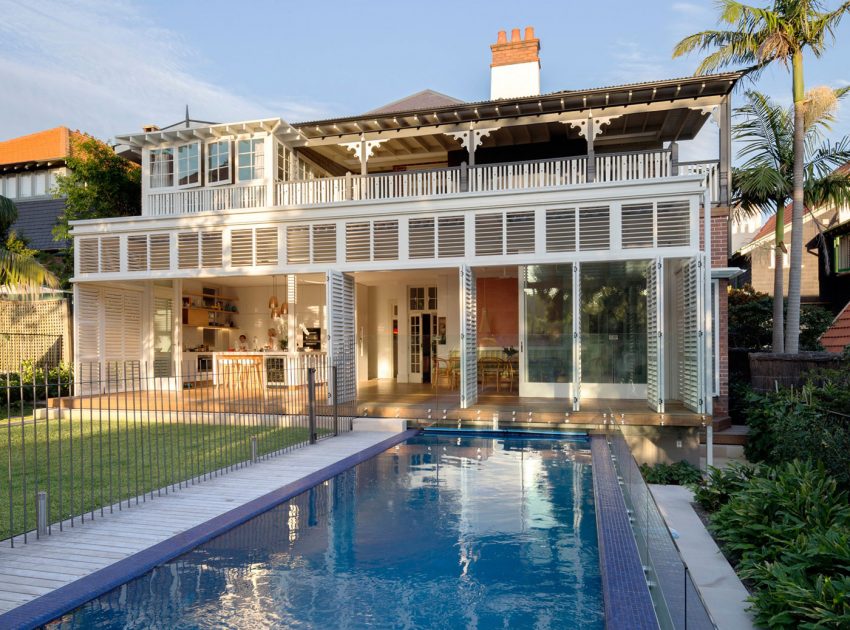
column 29, row 571
column 721, row 590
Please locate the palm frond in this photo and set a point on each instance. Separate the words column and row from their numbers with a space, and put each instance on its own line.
column 8, row 212
column 24, row 272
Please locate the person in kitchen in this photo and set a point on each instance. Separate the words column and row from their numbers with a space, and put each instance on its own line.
column 242, row 346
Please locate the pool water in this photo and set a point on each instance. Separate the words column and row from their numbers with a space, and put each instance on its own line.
column 437, row 532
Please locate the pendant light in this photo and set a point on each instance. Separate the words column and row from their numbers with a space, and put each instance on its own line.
column 273, row 303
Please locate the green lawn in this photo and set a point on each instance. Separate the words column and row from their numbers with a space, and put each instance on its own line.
column 16, row 410
column 85, row 463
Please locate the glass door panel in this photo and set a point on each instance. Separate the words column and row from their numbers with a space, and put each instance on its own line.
column 613, row 329
column 546, row 362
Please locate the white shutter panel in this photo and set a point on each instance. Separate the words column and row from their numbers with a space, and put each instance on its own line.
column 576, row 336
column 468, row 339
column 163, row 338
column 655, row 335
column 690, row 370
column 340, row 315
column 88, row 318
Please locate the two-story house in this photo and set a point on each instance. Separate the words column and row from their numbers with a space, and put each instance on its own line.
column 535, row 251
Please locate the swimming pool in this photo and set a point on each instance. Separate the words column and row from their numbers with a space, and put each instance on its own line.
column 439, row 531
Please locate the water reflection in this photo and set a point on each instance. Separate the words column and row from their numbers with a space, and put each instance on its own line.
column 434, row 533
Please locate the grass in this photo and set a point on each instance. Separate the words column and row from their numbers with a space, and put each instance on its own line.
column 17, row 410
column 87, row 462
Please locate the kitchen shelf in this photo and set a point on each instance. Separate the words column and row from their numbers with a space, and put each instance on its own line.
column 211, row 296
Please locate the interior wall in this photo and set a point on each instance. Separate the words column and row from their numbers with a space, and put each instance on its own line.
column 362, row 327
column 498, row 312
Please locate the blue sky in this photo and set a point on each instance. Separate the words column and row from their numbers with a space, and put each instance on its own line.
column 110, row 67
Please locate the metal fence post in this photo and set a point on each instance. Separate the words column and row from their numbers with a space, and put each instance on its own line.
column 41, row 513
column 311, row 403
column 254, row 449
column 336, row 400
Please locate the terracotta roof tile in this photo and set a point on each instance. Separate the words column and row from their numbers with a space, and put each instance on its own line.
column 837, row 336
column 43, row 145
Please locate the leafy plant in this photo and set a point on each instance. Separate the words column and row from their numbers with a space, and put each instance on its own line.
column 777, row 506
column 678, row 474
column 714, row 490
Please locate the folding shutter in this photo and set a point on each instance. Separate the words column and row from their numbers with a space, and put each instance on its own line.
column 655, row 335
column 340, row 315
column 576, row 336
column 468, row 339
column 691, row 369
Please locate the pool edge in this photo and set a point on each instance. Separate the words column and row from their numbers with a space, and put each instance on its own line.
column 627, row 601
column 50, row 606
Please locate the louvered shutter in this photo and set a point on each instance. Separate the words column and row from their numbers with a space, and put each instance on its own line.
column 576, row 336
column 561, row 230
column 691, row 367
column 340, row 316
column 655, row 335
column 468, row 338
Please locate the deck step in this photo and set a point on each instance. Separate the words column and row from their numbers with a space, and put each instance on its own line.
column 735, row 435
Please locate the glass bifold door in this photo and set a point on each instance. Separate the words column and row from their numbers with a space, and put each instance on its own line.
column 583, row 330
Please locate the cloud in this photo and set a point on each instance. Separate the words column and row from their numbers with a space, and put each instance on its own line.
column 632, row 64
column 107, row 68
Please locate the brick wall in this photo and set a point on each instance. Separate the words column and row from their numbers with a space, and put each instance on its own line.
column 720, row 258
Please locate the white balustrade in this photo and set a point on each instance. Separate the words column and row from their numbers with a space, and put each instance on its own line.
column 569, row 171
column 522, row 175
column 207, row 199
column 620, row 167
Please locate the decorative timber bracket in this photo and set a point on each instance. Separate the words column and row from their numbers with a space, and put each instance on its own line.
column 363, row 150
column 471, row 139
column 588, row 128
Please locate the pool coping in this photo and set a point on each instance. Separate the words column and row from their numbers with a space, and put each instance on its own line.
column 50, row 606
column 628, row 603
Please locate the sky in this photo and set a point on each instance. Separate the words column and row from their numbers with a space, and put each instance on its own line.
column 108, row 68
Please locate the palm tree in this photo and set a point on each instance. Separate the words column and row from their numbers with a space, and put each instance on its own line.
column 758, row 37
column 20, row 271
column 764, row 183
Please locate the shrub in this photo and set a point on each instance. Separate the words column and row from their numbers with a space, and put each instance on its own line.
column 714, row 491
column 31, row 383
column 679, row 474
column 775, row 507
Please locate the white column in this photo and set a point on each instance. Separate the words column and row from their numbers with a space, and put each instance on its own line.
column 291, row 305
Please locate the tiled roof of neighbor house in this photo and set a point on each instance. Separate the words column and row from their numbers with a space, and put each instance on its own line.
column 36, row 219
column 51, row 144
column 770, row 225
column 421, row 100
column 837, row 336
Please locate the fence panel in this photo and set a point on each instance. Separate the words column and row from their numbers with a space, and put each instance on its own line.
column 96, row 438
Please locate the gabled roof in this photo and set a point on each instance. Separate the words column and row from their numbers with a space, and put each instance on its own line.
column 425, row 99
column 837, row 336
column 50, row 144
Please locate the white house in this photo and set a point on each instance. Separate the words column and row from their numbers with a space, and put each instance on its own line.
column 427, row 237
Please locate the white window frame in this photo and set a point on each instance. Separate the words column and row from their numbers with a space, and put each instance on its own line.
column 152, row 162
column 261, row 143
column 230, row 163
column 178, row 162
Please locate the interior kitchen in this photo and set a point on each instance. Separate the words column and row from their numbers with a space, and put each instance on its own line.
column 249, row 327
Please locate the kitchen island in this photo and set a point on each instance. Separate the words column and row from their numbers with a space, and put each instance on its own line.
column 270, row 369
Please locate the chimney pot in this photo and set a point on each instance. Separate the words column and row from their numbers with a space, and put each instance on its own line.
column 529, row 32
column 502, row 38
column 515, row 35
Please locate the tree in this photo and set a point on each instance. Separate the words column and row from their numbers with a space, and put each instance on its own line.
column 18, row 266
column 99, row 184
column 759, row 37
column 764, row 183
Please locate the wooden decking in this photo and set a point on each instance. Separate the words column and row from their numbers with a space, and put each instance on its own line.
column 31, row 570
column 429, row 405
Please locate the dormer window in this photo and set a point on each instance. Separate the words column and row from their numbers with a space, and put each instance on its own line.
column 162, row 168
column 218, row 162
column 250, row 159
column 189, row 164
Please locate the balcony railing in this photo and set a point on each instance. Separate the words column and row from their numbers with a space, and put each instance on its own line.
column 506, row 176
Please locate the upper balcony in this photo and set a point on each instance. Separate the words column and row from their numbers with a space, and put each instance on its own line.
column 558, row 140
column 506, row 176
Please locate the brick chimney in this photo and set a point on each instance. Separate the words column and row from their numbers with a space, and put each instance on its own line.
column 515, row 70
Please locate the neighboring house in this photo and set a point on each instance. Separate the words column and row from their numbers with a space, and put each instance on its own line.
column 29, row 166
column 757, row 257
column 837, row 336
column 834, row 252
column 427, row 236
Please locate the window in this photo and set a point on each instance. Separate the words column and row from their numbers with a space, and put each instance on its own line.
column 189, row 164
column 284, row 158
column 218, row 162
column 25, row 186
column 11, row 188
column 842, row 253
column 250, row 159
column 423, row 298
column 162, row 168
column 771, row 260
